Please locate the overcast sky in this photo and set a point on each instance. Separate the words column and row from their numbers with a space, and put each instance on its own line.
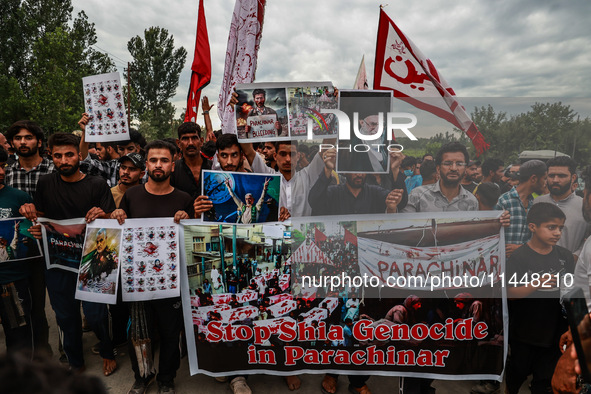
column 483, row 48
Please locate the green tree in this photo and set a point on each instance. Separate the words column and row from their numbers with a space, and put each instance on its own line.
column 44, row 53
column 13, row 103
column 155, row 73
column 13, row 39
column 62, row 58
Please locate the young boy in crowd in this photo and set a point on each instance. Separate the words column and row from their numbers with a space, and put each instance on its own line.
column 536, row 320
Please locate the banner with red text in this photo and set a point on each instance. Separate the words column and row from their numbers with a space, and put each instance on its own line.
column 275, row 310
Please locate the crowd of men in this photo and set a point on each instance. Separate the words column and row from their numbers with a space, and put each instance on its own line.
column 65, row 177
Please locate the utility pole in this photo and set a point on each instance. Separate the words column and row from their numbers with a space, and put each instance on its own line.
column 128, row 69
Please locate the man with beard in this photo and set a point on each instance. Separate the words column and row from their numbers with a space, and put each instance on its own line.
column 373, row 160
column 186, row 175
column 561, row 175
column 248, row 211
column 26, row 138
column 131, row 171
column 158, row 198
column 492, row 171
column 231, row 158
column 8, row 148
column 68, row 194
column 229, row 153
column 269, row 153
column 354, row 197
column 469, row 180
column 518, row 200
column 259, row 96
column 447, row 194
column 106, row 151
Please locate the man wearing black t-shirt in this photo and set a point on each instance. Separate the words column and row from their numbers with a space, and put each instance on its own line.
column 157, row 198
column 67, row 194
column 186, row 174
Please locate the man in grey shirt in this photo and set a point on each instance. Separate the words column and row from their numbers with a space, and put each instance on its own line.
column 561, row 175
column 447, row 194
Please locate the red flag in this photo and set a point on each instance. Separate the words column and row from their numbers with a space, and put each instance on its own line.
column 400, row 66
column 319, row 235
column 244, row 39
column 201, row 67
column 349, row 237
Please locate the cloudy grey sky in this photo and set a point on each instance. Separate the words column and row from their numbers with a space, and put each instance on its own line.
column 516, row 48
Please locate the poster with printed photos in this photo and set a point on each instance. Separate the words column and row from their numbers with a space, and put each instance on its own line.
column 284, row 111
column 16, row 243
column 104, row 104
column 305, row 104
column 62, row 242
column 241, row 198
column 149, row 259
column 366, row 151
column 98, row 277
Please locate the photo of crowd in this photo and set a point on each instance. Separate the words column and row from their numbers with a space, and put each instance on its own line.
column 305, row 104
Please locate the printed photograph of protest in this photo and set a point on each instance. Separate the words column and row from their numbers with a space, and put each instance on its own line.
column 16, row 243
column 436, row 269
column 99, row 268
column 241, row 197
column 322, row 250
column 62, row 243
column 305, row 103
column 368, row 154
column 261, row 112
column 427, row 248
column 245, row 318
column 236, row 275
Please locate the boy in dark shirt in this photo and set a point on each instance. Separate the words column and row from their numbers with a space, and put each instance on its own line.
column 536, row 320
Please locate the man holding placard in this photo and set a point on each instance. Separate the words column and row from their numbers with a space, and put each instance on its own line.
column 69, row 194
column 158, row 198
column 262, row 121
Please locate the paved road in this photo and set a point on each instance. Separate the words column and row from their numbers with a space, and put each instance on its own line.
column 122, row 379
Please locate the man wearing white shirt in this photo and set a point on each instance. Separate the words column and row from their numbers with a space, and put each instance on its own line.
column 294, row 185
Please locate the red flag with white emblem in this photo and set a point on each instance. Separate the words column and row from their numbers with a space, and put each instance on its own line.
column 400, row 66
